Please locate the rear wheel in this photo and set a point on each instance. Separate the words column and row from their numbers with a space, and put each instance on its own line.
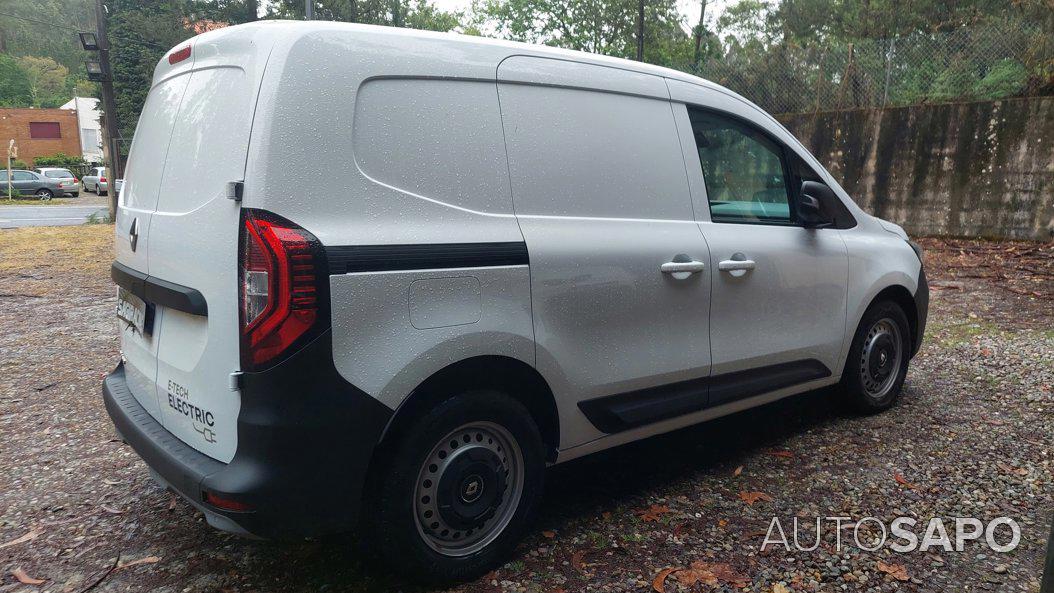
column 44, row 194
column 878, row 359
column 457, row 488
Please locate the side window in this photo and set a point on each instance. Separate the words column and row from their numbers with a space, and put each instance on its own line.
column 744, row 171
column 22, row 176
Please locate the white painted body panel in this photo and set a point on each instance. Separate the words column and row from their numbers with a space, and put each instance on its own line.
column 369, row 136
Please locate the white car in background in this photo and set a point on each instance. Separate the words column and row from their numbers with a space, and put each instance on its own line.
column 95, row 181
column 68, row 182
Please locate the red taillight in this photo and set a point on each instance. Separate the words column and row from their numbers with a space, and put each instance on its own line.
column 179, row 55
column 281, row 273
column 227, row 504
column 102, row 180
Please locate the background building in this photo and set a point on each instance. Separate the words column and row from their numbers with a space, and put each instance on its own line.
column 87, row 109
column 40, row 132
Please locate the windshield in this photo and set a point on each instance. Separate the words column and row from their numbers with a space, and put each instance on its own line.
column 58, row 174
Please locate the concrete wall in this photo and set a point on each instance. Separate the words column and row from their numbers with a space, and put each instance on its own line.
column 965, row 169
column 14, row 123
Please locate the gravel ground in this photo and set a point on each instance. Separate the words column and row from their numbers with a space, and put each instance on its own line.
column 971, row 438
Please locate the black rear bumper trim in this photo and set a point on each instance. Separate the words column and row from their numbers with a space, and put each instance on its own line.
column 158, row 291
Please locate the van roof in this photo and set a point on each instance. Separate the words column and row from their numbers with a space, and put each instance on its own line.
column 288, row 33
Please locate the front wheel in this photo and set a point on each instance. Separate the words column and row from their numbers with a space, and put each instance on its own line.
column 44, row 194
column 878, row 359
column 457, row 487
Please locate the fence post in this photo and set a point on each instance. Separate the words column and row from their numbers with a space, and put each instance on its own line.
column 889, row 69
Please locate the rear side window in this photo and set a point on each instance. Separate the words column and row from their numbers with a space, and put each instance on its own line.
column 744, row 171
column 22, row 176
column 59, row 174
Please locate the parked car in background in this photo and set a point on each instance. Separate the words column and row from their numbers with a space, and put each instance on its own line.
column 95, row 181
column 29, row 183
column 67, row 180
column 117, row 185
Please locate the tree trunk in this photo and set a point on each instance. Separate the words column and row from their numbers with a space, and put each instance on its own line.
column 252, row 8
column 640, row 30
column 699, row 35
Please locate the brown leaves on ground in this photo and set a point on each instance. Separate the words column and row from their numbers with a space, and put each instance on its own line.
column 146, row 560
column 699, row 572
column 549, row 534
column 904, row 482
column 31, row 535
column 751, row 497
column 578, row 561
column 897, row 571
column 1011, row 470
column 652, row 513
column 24, row 578
column 783, row 454
column 739, row 470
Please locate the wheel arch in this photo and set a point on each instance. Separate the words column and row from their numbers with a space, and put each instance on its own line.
column 508, row 375
column 899, row 294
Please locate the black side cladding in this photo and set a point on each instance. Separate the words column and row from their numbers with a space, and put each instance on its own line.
column 615, row 413
column 346, row 259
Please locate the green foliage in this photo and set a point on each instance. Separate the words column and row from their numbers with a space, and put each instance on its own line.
column 64, row 161
column 16, row 87
column 15, row 164
column 1006, row 79
column 49, row 79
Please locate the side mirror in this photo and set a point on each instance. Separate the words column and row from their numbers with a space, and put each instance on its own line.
column 811, row 211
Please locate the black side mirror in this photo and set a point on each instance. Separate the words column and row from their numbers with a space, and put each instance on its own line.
column 811, row 210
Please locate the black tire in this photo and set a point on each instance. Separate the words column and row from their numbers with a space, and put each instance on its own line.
column 394, row 519
column 868, row 378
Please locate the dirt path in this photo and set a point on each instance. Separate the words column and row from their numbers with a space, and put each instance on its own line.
column 971, row 438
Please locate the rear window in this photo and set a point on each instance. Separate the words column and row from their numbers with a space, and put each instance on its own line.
column 59, row 174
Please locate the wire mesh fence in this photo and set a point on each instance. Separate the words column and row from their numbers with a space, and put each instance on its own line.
column 981, row 63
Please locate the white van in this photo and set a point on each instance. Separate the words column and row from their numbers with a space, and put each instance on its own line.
column 382, row 278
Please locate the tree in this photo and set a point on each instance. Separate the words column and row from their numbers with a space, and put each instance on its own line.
column 48, row 78
column 16, row 87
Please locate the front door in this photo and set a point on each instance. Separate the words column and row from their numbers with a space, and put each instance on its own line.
column 777, row 309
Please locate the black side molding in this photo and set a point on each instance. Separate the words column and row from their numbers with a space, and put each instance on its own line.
column 158, row 291
column 615, row 413
column 345, row 259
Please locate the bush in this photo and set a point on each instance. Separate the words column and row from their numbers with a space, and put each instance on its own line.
column 60, row 160
column 15, row 164
column 1005, row 79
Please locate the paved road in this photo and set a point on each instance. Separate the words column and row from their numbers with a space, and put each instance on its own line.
column 20, row 216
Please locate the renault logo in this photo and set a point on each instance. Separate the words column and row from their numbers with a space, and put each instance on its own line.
column 133, row 233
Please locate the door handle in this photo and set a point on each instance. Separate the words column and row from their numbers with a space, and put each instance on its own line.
column 731, row 265
column 678, row 267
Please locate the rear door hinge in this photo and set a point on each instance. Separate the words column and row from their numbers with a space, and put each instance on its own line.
column 235, row 381
column 235, row 190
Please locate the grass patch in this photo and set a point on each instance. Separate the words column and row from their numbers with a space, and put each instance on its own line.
column 79, row 249
column 29, row 202
column 962, row 333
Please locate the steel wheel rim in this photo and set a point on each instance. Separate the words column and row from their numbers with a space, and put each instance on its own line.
column 880, row 358
column 445, row 465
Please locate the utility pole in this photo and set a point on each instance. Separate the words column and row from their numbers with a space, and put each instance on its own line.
column 309, row 10
column 699, row 30
column 640, row 30
column 12, row 153
column 109, row 106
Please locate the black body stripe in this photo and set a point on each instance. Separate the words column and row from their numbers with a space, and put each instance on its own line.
column 380, row 258
column 615, row 413
column 157, row 291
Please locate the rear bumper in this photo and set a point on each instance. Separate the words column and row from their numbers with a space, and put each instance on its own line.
column 305, row 441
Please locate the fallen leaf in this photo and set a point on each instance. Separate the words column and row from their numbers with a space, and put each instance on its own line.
column 606, row 515
column 1011, row 470
column 739, row 470
column 576, row 560
column 653, row 513
column 698, row 573
column 722, row 522
column 147, row 560
column 659, row 582
column 112, row 510
column 679, row 529
column 726, row 574
column 751, row 497
column 903, row 482
column 25, row 538
column 549, row 534
column 784, row 454
column 172, row 502
column 897, row 571
column 24, row 578
column 780, row 588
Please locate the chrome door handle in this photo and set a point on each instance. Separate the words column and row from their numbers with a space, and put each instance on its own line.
column 730, row 265
column 675, row 267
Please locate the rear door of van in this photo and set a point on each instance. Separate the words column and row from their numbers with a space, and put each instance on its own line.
column 189, row 232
